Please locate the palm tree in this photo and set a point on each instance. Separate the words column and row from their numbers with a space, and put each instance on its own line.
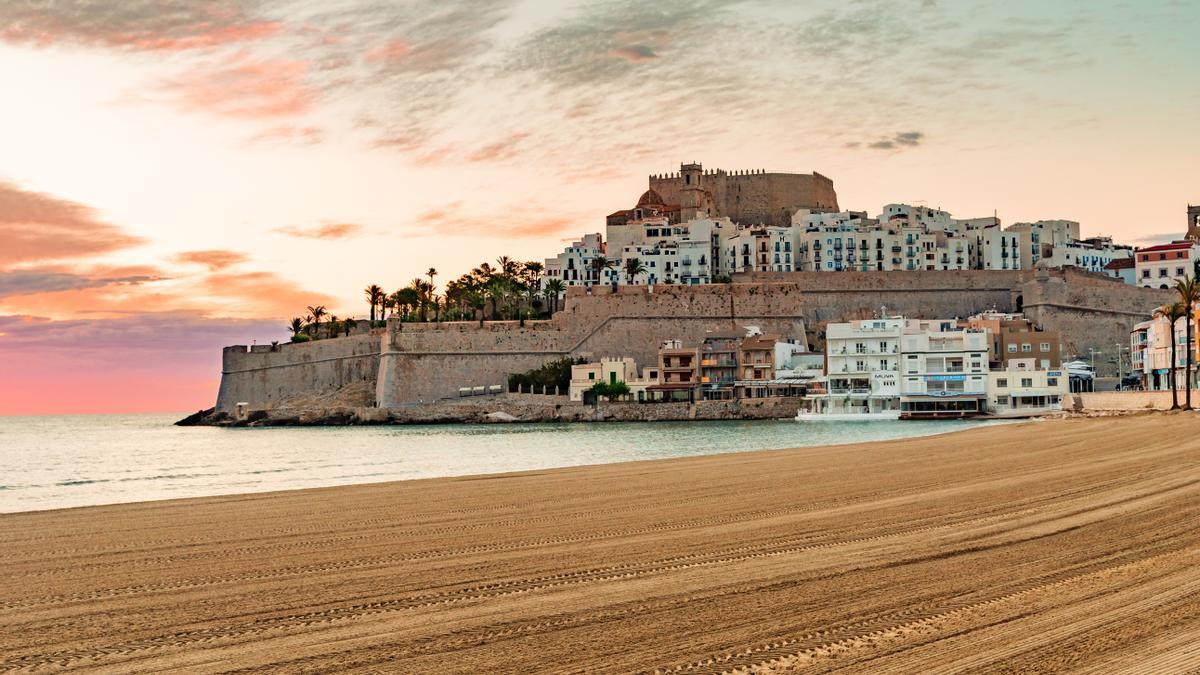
column 406, row 298
column 431, row 273
column 1172, row 313
column 296, row 326
column 317, row 313
column 599, row 264
column 533, row 272
column 478, row 302
column 422, row 291
column 375, row 296
column 508, row 266
column 496, row 290
column 1189, row 295
column 554, row 288
column 633, row 267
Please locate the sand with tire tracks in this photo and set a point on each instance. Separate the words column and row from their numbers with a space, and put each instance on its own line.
column 1055, row 546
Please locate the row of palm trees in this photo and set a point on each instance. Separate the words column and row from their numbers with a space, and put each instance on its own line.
column 1188, row 290
column 507, row 290
column 310, row 327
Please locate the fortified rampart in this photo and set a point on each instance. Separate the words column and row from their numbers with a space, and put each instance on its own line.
column 409, row 363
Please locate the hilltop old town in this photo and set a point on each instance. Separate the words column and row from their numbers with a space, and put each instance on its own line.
column 752, row 287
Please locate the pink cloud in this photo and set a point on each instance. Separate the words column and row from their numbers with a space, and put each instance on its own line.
column 326, row 231
column 139, row 25
column 309, row 135
column 212, row 259
column 35, row 226
column 247, row 88
column 390, row 52
column 453, row 220
column 502, row 149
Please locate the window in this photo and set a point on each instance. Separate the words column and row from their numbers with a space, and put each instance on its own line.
column 1026, row 347
column 1027, row 382
column 1178, row 271
column 1145, row 274
column 1001, row 400
column 591, row 376
column 1045, row 346
column 1002, row 383
column 1012, row 348
column 1051, row 381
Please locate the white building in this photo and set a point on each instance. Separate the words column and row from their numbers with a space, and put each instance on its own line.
column 1161, row 266
column 584, row 376
column 999, row 249
column 862, row 360
column 574, row 265
column 944, row 370
column 1150, row 353
column 1093, row 255
column 1023, row 390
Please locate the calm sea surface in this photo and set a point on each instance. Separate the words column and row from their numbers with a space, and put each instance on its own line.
column 81, row 460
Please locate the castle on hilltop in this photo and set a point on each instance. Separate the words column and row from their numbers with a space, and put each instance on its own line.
column 744, row 197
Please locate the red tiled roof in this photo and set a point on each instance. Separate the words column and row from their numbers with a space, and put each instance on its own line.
column 1173, row 246
column 1120, row 264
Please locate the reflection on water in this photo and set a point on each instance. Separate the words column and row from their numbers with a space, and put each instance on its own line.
column 79, row 460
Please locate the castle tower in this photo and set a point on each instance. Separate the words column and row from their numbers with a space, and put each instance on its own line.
column 1193, row 231
column 691, row 194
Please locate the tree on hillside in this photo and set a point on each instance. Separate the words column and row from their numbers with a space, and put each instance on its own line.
column 317, row 314
column 1172, row 313
column 554, row 288
column 407, row 299
column 633, row 267
column 599, row 264
column 1189, row 296
column 431, row 273
column 374, row 296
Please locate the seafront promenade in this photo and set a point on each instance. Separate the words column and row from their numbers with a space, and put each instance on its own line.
column 1057, row 545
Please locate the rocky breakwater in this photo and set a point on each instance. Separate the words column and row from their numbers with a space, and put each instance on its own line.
column 503, row 409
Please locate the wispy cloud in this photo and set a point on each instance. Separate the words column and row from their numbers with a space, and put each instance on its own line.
column 324, row 231
column 244, row 86
column 455, row 220
column 53, row 280
column 139, row 25
column 898, row 141
column 35, row 227
column 216, row 259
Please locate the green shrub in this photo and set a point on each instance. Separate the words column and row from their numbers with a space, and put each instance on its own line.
column 301, row 337
column 610, row 391
column 556, row 373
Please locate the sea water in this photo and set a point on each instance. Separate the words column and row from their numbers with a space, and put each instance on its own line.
column 80, row 460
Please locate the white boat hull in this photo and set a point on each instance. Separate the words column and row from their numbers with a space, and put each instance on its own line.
column 885, row 416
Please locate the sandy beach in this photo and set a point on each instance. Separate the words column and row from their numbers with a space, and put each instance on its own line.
column 1067, row 545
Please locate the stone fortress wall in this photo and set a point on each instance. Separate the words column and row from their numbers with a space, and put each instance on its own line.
column 411, row 363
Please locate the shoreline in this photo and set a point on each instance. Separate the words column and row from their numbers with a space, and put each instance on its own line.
column 1001, row 544
column 502, row 474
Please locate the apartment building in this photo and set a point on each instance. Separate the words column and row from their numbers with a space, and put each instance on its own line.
column 574, row 265
column 719, row 366
column 944, row 370
column 862, row 361
column 1022, row 389
column 1161, row 266
column 1014, row 337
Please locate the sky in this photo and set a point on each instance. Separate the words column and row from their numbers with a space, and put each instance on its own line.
column 179, row 175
